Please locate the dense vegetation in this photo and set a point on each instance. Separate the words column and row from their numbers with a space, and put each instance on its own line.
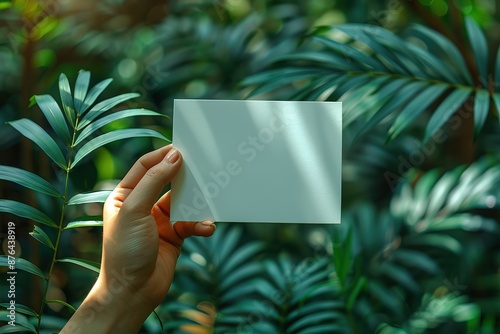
column 418, row 250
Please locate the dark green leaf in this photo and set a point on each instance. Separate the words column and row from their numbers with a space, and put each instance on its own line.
column 415, row 259
column 111, row 118
column 93, row 197
column 91, row 265
column 445, row 110
column 481, row 109
column 240, row 257
column 497, row 71
column 54, row 116
column 104, row 106
column 25, row 211
column 310, row 321
column 35, row 133
column 66, row 98
column 22, row 309
column 42, row 237
column 448, row 49
column 441, row 190
column 496, row 99
column 479, row 46
column 109, row 137
column 446, row 242
column 21, row 264
column 94, row 94
column 28, row 180
column 399, row 275
column 60, row 302
column 18, row 328
column 81, row 87
column 416, row 106
column 84, row 223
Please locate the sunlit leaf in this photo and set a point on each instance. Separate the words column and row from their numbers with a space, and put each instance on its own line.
column 94, row 126
column 93, row 197
column 26, row 211
column 54, row 116
column 104, row 106
column 66, row 98
column 35, row 133
column 109, row 137
column 90, row 265
column 445, row 110
column 481, row 109
column 88, row 222
column 93, row 94
column 479, row 46
column 60, row 302
column 42, row 237
column 28, row 180
column 21, row 264
column 81, row 87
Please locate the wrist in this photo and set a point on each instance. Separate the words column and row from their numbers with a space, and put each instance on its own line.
column 109, row 308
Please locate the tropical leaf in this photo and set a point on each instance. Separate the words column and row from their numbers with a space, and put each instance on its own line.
column 60, row 302
column 67, row 99
column 90, row 265
column 94, row 126
column 85, row 222
column 54, row 116
column 81, row 87
column 28, row 180
column 367, row 61
column 109, row 137
column 20, row 264
column 92, row 197
column 479, row 46
column 21, row 309
column 94, row 94
column 42, row 237
column 102, row 107
column 25, row 211
column 36, row 134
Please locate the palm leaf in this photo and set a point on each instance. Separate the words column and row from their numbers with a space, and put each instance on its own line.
column 90, row 265
column 81, row 86
column 25, row 211
column 21, row 264
column 54, row 116
column 479, row 47
column 109, row 137
column 42, row 237
column 66, row 99
column 36, row 134
column 93, row 94
column 102, row 107
column 92, row 197
column 94, row 126
column 28, row 180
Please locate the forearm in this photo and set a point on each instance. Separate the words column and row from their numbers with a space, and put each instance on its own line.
column 104, row 311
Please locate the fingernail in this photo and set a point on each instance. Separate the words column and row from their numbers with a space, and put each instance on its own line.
column 208, row 223
column 172, row 155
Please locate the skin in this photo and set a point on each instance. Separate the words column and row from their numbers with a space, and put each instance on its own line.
column 140, row 249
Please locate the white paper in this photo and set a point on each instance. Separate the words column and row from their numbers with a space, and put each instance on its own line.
column 257, row 161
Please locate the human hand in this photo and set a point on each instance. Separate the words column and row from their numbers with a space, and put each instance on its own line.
column 140, row 248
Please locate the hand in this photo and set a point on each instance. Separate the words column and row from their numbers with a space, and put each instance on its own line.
column 140, row 249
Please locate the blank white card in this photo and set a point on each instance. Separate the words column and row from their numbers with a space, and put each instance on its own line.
column 257, row 161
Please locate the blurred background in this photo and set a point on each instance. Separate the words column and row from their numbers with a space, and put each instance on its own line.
column 359, row 283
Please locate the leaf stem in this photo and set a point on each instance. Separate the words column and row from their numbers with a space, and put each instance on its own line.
column 60, row 227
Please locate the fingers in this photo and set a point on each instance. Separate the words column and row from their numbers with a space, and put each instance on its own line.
column 179, row 231
column 147, row 178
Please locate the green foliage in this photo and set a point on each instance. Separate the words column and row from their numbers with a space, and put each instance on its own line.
column 66, row 146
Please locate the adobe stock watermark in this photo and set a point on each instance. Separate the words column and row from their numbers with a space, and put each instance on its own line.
column 245, row 152
column 418, row 156
column 11, row 273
